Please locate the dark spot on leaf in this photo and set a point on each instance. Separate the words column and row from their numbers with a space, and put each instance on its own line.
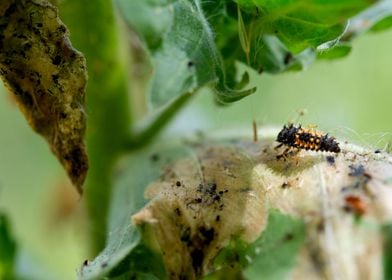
column 7, row 61
column 356, row 170
column 288, row 237
column 24, row 96
column 11, row 9
column 27, row 46
column 177, row 211
column 344, row 189
column 178, row 184
column 154, row 157
column 197, row 256
column 55, row 79
column 36, row 31
column 320, row 226
column 86, row 262
column 207, row 234
column 56, row 60
column 357, row 185
column 186, row 235
column 62, row 29
column 330, row 160
column 190, row 63
column 377, row 151
column 217, row 218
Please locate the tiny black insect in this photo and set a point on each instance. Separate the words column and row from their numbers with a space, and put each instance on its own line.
column 308, row 139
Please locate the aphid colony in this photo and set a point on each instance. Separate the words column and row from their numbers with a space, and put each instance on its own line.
column 308, row 139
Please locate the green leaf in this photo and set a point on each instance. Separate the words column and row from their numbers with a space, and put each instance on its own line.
column 274, row 36
column 127, row 248
column 7, row 249
column 302, row 24
column 272, row 255
column 182, row 49
column 283, row 35
column 339, row 51
column 243, row 35
column 382, row 24
column 274, row 57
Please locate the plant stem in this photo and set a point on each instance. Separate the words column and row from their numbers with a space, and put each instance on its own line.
column 94, row 31
column 154, row 124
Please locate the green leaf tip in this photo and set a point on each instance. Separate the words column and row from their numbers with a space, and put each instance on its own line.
column 8, row 249
column 339, row 51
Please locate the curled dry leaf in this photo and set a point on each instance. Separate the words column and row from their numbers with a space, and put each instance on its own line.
column 225, row 191
column 47, row 78
column 199, row 205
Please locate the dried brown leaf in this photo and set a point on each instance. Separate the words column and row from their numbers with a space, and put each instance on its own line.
column 203, row 204
column 47, row 77
column 224, row 191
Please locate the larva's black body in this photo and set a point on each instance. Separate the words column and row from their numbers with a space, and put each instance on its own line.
column 301, row 138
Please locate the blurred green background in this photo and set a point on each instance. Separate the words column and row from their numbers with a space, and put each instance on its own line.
column 351, row 98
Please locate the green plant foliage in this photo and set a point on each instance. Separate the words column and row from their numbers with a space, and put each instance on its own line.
column 283, row 35
column 339, row 51
column 272, row 255
column 126, row 250
column 275, row 252
column 182, row 48
column 301, row 24
column 193, row 43
column 7, row 249
column 383, row 24
column 387, row 234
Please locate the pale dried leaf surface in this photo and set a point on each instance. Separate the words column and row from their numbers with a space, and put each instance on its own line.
column 225, row 191
column 47, row 77
column 199, row 205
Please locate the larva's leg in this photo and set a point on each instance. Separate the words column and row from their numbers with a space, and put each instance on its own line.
column 277, row 147
column 284, row 155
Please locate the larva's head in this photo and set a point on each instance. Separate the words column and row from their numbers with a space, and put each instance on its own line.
column 287, row 134
column 331, row 145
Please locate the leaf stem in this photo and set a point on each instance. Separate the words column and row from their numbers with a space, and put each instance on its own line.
column 154, row 124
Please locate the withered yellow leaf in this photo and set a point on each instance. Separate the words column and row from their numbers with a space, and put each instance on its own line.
column 47, row 77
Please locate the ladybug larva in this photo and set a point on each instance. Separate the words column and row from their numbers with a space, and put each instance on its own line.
column 308, row 139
